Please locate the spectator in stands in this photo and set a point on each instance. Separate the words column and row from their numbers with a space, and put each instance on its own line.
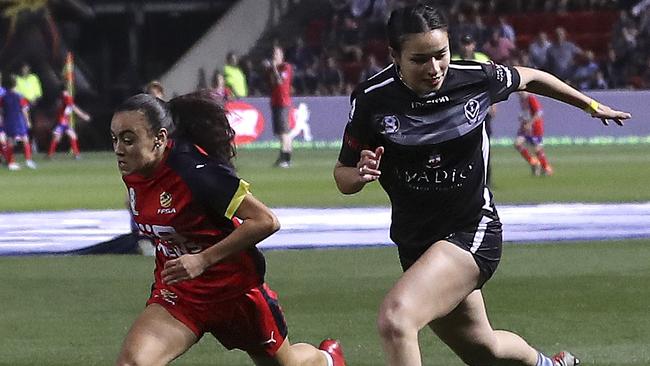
column 371, row 67
column 613, row 70
column 256, row 83
column 311, row 77
column 176, row 158
column 234, row 75
column 156, row 89
column 538, row 51
column 331, row 78
column 28, row 84
column 586, row 73
column 506, row 29
column 14, row 124
column 561, row 55
column 468, row 50
column 280, row 78
column 645, row 74
column 350, row 36
column 499, row 48
column 218, row 89
column 300, row 56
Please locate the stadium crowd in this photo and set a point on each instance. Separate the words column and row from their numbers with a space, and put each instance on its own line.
column 336, row 51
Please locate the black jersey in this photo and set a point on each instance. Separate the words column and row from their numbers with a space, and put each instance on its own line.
column 436, row 148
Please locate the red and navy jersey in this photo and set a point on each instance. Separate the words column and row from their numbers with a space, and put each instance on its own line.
column 531, row 107
column 65, row 109
column 188, row 205
column 13, row 119
column 436, row 148
column 281, row 93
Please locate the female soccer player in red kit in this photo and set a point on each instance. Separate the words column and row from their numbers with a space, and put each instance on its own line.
column 175, row 159
column 531, row 132
column 64, row 113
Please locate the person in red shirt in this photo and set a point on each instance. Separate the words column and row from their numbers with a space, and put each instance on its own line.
column 65, row 111
column 176, row 162
column 280, row 75
column 531, row 133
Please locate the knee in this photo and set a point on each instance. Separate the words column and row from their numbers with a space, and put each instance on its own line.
column 395, row 319
column 127, row 358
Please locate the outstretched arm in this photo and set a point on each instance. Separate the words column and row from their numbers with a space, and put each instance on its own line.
column 543, row 83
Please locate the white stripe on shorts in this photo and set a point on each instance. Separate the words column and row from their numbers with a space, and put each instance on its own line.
column 480, row 234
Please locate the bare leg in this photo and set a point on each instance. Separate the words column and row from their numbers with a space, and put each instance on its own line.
column 155, row 338
column 440, row 280
column 299, row 354
column 467, row 331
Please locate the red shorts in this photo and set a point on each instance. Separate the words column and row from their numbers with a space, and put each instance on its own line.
column 252, row 322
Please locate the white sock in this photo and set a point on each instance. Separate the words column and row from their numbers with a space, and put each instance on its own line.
column 330, row 361
column 543, row 360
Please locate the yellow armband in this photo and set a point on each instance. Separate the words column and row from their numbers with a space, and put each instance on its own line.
column 592, row 107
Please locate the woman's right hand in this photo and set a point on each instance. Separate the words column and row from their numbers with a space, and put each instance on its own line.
column 368, row 165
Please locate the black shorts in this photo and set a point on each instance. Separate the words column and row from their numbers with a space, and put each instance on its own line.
column 280, row 120
column 483, row 240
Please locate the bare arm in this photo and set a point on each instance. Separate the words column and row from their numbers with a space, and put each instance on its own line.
column 351, row 180
column 543, row 83
column 259, row 222
column 83, row 115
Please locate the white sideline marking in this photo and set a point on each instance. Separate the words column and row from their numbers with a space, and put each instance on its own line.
column 61, row 232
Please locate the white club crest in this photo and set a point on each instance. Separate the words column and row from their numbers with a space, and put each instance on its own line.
column 389, row 124
column 472, row 109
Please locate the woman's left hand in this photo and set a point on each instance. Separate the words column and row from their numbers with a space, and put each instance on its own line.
column 606, row 113
column 183, row 268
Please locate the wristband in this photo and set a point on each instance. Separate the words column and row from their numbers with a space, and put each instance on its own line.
column 592, row 107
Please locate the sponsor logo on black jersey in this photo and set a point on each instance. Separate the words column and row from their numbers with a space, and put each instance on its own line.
column 429, row 179
column 435, row 161
column 430, row 102
column 389, row 124
column 472, row 109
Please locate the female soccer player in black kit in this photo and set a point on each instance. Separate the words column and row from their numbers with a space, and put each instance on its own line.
column 417, row 127
column 175, row 159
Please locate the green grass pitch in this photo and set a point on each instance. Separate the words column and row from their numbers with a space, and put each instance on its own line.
column 590, row 297
column 611, row 173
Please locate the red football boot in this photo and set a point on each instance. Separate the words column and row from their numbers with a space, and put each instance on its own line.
column 333, row 348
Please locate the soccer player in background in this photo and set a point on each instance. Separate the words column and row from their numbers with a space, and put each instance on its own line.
column 280, row 77
column 64, row 114
column 418, row 128
column 15, row 124
column 531, row 132
column 175, row 160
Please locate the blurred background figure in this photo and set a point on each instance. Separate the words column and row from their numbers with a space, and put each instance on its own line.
column 15, row 125
column 280, row 77
column 531, row 134
column 234, row 76
column 561, row 55
column 28, row 84
column 219, row 90
column 64, row 125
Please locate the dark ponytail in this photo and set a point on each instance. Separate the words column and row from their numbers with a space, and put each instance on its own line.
column 195, row 117
column 202, row 120
column 410, row 20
